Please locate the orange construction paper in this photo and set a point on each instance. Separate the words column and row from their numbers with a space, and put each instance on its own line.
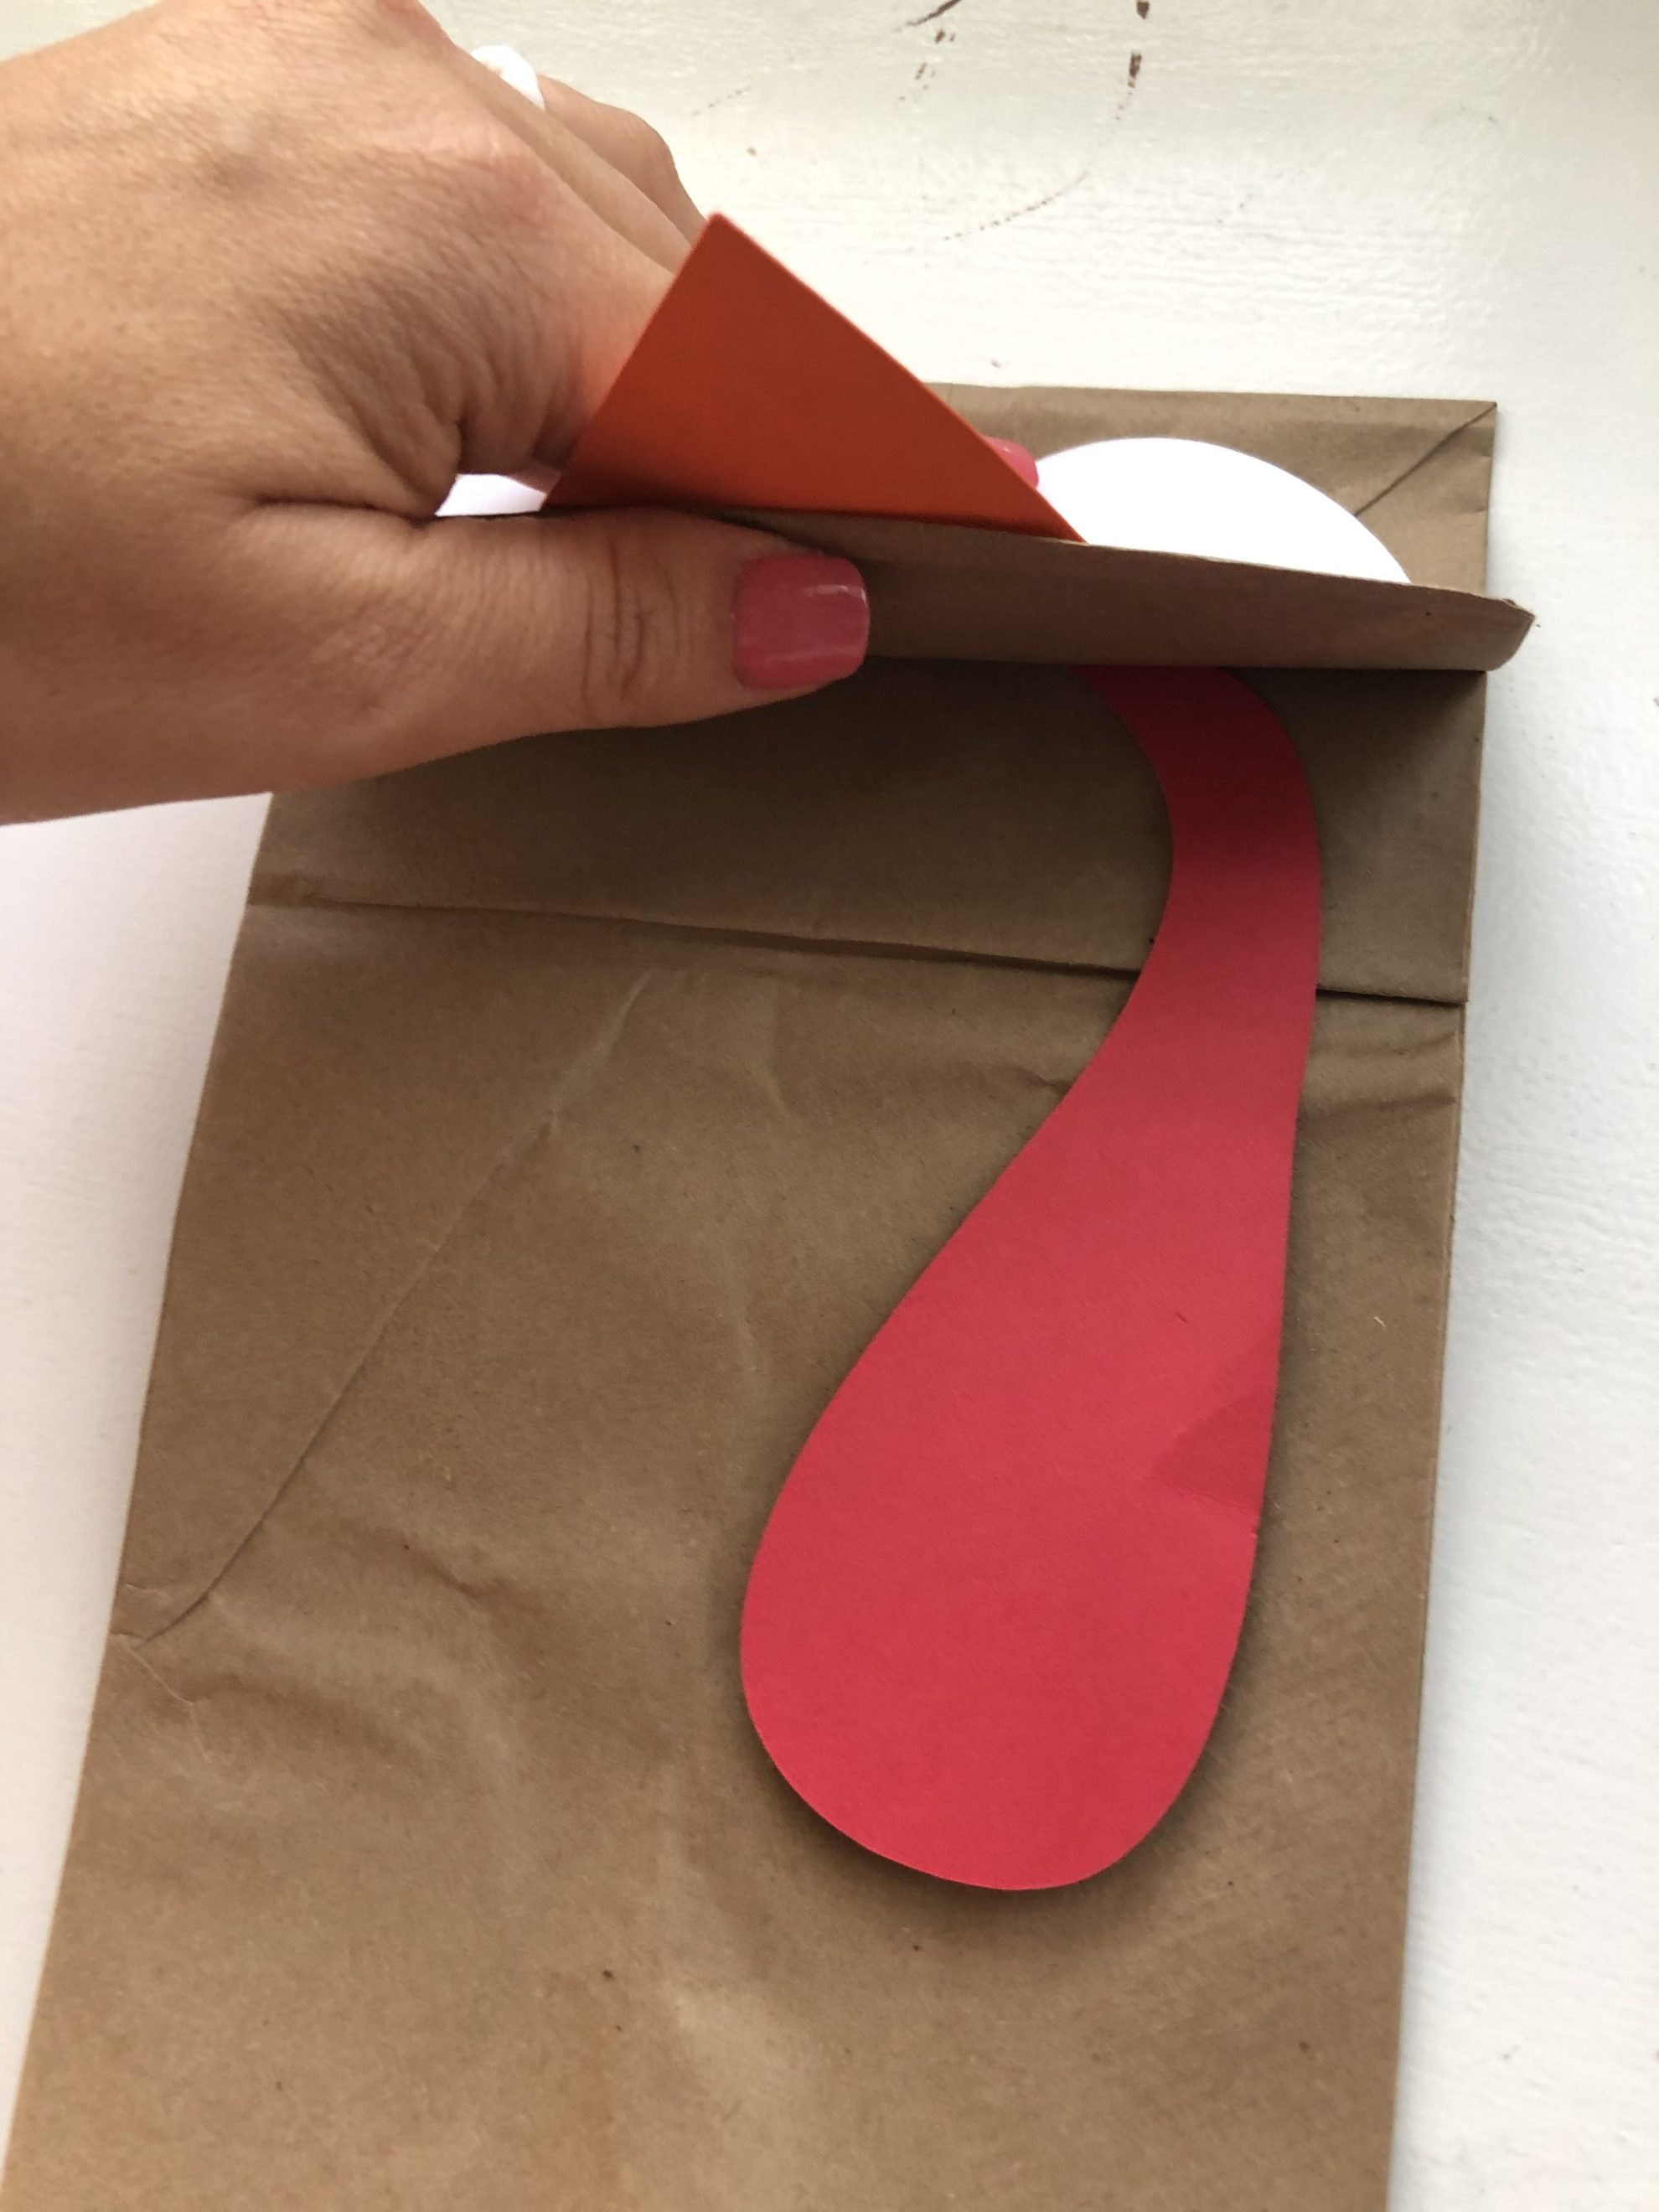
column 747, row 390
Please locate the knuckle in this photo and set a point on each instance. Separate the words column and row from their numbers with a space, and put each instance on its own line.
column 387, row 22
column 496, row 181
column 630, row 641
column 454, row 169
column 400, row 18
column 648, row 154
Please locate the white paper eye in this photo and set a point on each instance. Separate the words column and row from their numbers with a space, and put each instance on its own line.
column 1184, row 495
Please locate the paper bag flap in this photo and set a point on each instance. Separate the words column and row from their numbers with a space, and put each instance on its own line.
column 749, row 395
column 943, row 594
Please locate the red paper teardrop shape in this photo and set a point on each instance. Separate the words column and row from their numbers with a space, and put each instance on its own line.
column 994, row 1611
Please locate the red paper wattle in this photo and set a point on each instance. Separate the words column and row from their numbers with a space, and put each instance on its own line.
column 994, row 1611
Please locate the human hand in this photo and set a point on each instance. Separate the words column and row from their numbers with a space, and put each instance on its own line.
column 272, row 273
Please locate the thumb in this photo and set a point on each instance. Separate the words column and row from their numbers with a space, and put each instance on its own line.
column 446, row 635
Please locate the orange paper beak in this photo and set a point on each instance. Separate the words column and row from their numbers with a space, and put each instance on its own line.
column 746, row 390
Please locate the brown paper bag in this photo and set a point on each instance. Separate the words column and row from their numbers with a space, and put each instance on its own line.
column 578, row 1110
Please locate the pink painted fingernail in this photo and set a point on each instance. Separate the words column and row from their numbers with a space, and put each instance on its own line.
column 798, row 620
column 1022, row 463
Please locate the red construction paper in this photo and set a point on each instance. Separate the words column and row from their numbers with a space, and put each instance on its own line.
column 746, row 389
column 992, row 1612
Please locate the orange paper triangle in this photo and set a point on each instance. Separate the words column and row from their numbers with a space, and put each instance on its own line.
column 747, row 390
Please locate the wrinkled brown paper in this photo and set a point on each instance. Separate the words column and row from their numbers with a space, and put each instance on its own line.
column 578, row 1112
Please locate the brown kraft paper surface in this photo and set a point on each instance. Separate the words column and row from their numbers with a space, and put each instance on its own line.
column 578, row 1110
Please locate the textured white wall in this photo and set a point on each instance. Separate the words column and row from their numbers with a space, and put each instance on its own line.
column 1452, row 197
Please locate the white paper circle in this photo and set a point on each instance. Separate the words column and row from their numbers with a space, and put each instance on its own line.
column 1183, row 496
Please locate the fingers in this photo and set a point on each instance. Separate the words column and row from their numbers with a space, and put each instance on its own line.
column 623, row 139
column 631, row 147
column 611, row 192
column 415, row 641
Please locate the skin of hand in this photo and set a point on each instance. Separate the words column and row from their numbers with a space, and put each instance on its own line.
column 272, row 273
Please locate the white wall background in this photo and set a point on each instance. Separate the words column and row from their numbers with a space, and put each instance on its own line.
column 1450, row 197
